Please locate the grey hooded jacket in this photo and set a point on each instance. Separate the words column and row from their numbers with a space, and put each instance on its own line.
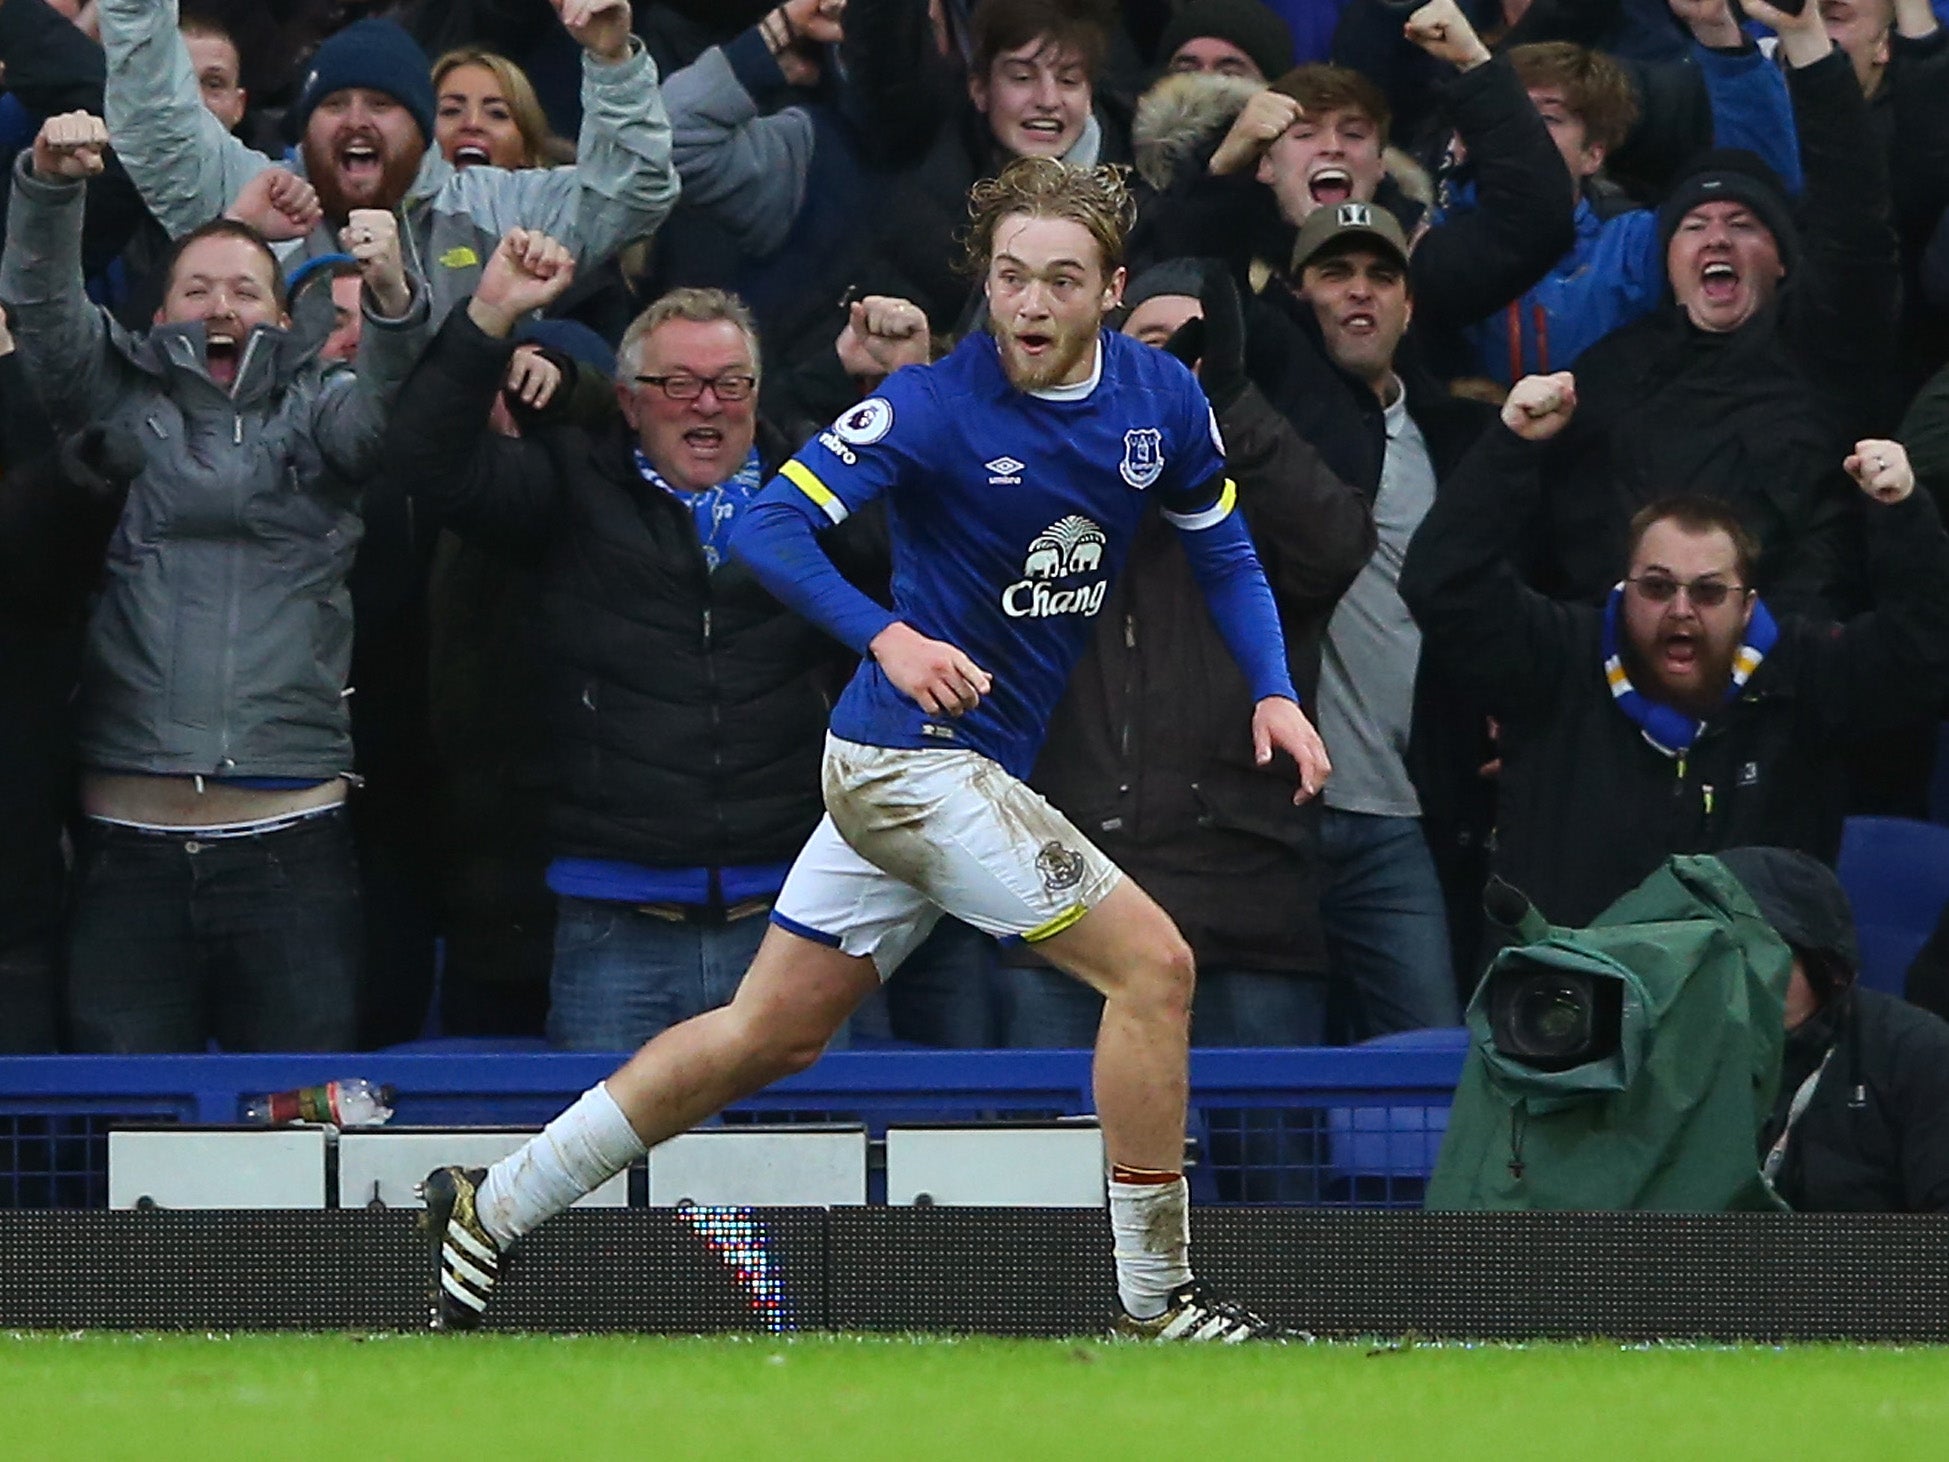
column 189, row 169
column 220, row 642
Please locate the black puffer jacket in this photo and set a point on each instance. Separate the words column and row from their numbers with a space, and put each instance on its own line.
column 685, row 709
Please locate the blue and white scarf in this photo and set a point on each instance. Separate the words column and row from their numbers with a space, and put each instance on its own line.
column 715, row 509
column 1668, row 729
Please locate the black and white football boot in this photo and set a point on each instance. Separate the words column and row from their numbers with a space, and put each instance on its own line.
column 466, row 1257
column 1195, row 1313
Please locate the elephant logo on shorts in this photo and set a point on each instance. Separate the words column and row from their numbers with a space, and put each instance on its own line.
column 1061, row 868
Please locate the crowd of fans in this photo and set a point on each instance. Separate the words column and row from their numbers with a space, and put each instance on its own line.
column 369, row 448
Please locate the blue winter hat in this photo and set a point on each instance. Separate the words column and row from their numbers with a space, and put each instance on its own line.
column 376, row 54
column 574, row 339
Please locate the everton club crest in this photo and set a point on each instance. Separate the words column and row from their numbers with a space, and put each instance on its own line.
column 1143, row 456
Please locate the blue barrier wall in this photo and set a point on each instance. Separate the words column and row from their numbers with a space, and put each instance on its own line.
column 1355, row 1125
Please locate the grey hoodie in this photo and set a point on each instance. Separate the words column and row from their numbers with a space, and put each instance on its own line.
column 221, row 639
column 188, row 169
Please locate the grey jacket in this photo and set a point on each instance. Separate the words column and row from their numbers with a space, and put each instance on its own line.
column 222, row 637
column 188, row 168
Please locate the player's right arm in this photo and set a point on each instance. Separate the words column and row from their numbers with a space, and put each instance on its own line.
column 838, row 472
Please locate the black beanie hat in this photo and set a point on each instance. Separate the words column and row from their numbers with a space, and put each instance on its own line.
column 1732, row 174
column 1800, row 898
column 1247, row 24
column 376, row 54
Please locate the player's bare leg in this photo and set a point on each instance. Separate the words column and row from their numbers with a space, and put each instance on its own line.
column 793, row 999
column 1130, row 952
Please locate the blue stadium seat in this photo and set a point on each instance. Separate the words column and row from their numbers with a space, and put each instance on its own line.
column 1896, row 873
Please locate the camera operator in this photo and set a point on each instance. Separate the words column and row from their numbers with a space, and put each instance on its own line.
column 1861, row 1122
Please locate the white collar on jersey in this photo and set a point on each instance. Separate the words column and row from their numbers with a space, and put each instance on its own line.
column 1083, row 387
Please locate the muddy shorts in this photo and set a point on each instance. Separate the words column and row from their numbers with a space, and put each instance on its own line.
column 910, row 834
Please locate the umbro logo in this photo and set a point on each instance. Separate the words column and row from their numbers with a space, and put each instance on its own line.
column 1004, row 471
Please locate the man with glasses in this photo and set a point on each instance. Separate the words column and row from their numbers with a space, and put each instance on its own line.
column 684, row 707
column 1679, row 716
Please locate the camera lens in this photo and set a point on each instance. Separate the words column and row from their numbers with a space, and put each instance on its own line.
column 1552, row 1018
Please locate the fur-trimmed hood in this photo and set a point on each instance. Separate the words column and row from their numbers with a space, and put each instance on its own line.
column 1180, row 121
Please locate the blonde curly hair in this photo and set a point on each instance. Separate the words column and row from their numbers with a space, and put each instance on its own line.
column 1046, row 187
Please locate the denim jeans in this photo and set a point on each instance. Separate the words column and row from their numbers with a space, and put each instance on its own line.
column 622, row 977
column 253, row 941
column 950, row 991
column 1386, row 924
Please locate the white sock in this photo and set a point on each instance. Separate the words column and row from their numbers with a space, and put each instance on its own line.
column 1151, row 1224
column 574, row 1154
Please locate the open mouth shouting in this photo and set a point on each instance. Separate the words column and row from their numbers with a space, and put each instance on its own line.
column 1330, row 185
column 221, row 353
column 1719, row 282
column 704, row 441
column 471, row 154
column 1678, row 653
column 360, row 165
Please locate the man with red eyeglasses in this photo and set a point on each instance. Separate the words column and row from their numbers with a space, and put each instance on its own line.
column 1679, row 716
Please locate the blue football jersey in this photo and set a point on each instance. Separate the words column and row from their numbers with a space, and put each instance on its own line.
column 1010, row 514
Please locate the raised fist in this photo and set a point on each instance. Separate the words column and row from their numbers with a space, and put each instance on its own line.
column 882, row 334
column 600, row 27
column 1880, row 468
column 527, row 271
column 1265, row 115
column 70, row 145
column 371, row 236
column 277, row 203
column 1538, row 407
column 1440, row 29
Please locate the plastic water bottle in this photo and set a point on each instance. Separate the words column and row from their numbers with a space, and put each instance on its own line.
column 341, row 1103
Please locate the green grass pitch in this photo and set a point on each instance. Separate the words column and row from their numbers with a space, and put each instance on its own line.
column 449, row 1399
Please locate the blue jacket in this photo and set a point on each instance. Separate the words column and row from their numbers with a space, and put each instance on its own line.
column 1616, row 271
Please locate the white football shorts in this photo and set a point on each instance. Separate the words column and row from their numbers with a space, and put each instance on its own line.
column 908, row 834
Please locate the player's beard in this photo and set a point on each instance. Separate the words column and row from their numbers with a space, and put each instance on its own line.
column 395, row 177
column 1067, row 349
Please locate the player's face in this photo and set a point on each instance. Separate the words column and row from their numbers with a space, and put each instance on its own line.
column 1036, row 98
column 1330, row 158
column 1047, row 295
column 1360, row 298
column 699, row 443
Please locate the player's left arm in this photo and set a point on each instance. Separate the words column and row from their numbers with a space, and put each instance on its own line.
column 1227, row 568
